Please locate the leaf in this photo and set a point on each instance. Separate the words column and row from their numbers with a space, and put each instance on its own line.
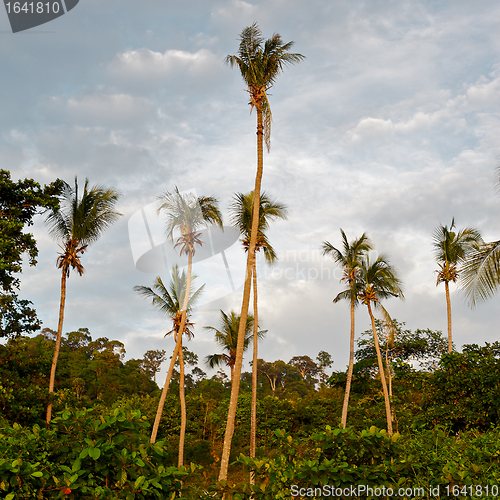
column 95, row 453
column 123, row 477
column 37, row 474
column 138, row 482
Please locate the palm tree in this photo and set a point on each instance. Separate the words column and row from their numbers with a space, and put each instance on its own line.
column 451, row 249
column 379, row 281
column 186, row 213
column 227, row 337
column 77, row 223
column 259, row 64
column 241, row 218
column 349, row 258
column 169, row 301
column 480, row 277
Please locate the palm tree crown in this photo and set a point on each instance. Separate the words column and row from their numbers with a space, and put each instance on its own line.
column 227, row 337
column 260, row 64
column 241, row 218
column 379, row 281
column 169, row 299
column 451, row 248
column 80, row 221
column 188, row 213
column 349, row 259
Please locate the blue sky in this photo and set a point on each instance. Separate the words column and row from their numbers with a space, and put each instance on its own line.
column 390, row 127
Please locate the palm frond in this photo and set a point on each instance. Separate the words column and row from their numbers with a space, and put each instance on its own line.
column 226, row 335
column 169, row 299
column 480, row 277
column 216, row 360
column 389, row 325
column 451, row 246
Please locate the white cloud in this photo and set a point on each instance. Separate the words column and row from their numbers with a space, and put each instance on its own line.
column 485, row 93
column 145, row 63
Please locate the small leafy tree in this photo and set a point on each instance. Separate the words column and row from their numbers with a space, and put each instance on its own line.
column 152, row 361
column 19, row 203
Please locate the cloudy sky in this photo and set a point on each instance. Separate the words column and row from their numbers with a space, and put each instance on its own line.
column 390, row 126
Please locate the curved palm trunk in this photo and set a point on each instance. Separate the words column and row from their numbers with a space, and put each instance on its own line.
column 253, row 412
column 382, row 373
column 58, row 345
column 183, row 406
column 177, row 347
column 235, row 386
column 350, row 369
column 448, row 310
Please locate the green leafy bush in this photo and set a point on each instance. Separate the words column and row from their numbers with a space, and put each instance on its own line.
column 83, row 457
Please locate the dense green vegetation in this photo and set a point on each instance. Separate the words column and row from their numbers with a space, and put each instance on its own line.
column 98, row 444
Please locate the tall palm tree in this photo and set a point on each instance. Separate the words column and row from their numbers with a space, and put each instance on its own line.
column 379, row 281
column 227, row 337
column 349, row 258
column 187, row 214
column 241, row 219
column 480, row 278
column 451, row 249
column 260, row 63
column 78, row 222
column 169, row 301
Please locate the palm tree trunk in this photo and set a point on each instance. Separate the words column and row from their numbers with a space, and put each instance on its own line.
column 448, row 310
column 178, row 344
column 382, row 374
column 235, row 386
column 389, row 370
column 163, row 396
column 253, row 412
column 183, row 406
column 58, row 344
column 350, row 369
